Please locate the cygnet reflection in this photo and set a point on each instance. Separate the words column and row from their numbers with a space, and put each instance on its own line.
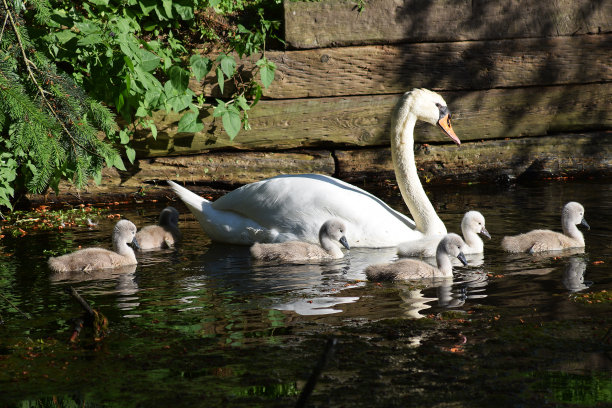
column 573, row 275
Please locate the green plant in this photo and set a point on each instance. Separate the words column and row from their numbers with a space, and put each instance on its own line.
column 139, row 56
column 49, row 126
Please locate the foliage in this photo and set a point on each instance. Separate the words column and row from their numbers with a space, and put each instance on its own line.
column 48, row 125
column 140, row 55
column 136, row 56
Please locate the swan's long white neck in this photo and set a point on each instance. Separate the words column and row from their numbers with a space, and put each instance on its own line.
column 330, row 246
column 444, row 263
column 402, row 153
column 472, row 239
column 122, row 248
column 571, row 230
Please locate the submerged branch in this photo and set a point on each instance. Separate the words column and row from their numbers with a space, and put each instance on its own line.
column 15, row 307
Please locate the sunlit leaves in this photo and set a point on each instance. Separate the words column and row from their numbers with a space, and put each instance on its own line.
column 266, row 71
column 200, row 66
column 189, row 123
column 230, row 116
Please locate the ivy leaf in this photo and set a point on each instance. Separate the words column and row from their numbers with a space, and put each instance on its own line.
column 125, row 136
column 189, row 123
column 266, row 71
column 200, row 66
column 179, row 78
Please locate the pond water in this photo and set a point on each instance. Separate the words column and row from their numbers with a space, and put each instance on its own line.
column 202, row 325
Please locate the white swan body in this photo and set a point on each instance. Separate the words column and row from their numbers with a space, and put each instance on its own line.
column 331, row 234
column 452, row 245
column 293, row 207
column 163, row 235
column 546, row 240
column 472, row 224
column 89, row 259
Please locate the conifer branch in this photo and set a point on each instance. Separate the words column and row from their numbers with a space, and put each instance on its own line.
column 29, row 64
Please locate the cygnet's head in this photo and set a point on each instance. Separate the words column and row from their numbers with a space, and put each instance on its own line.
column 574, row 213
column 125, row 233
column 475, row 222
column 452, row 245
column 334, row 229
column 430, row 107
column 169, row 216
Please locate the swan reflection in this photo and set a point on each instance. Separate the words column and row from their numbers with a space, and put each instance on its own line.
column 573, row 275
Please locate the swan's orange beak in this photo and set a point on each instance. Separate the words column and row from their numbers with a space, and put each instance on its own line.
column 445, row 124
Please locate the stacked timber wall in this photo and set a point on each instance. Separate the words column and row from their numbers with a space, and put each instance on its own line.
column 529, row 83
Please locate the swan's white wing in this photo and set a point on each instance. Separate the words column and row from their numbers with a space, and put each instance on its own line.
column 297, row 205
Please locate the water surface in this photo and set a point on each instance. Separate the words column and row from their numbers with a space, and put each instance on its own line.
column 203, row 325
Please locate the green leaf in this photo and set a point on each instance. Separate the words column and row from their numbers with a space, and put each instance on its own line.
column 153, row 129
column 231, row 122
column 130, row 153
column 118, row 163
column 220, row 109
column 266, row 71
column 200, row 66
column 167, row 7
column 148, row 61
column 91, row 39
column 242, row 103
column 189, row 123
column 179, row 78
column 220, row 79
column 125, row 136
column 228, row 64
column 183, row 10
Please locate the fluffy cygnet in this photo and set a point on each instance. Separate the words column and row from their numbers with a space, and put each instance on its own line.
column 331, row 233
column 99, row 258
column 163, row 235
column 450, row 246
column 472, row 224
column 546, row 240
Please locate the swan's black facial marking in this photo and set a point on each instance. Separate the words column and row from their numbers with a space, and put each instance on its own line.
column 443, row 112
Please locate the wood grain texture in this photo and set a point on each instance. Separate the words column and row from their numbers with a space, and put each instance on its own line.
column 364, row 120
column 463, row 65
column 564, row 155
column 338, row 22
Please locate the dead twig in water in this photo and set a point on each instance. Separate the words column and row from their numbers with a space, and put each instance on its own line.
column 316, row 373
column 27, row 316
column 91, row 318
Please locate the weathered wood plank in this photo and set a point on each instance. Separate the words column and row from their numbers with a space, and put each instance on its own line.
column 338, row 22
column 364, row 120
column 222, row 167
column 493, row 160
column 464, row 65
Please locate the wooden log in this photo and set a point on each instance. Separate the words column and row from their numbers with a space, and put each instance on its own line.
column 567, row 155
column 364, row 120
column 339, row 22
column 227, row 168
column 463, row 65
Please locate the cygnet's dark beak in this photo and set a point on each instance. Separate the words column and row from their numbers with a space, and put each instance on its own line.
column 461, row 257
column 583, row 222
column 485, row 233
column 135, row 244
column 344, row 242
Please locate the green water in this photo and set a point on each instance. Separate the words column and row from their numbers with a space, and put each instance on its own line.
column 202, row 326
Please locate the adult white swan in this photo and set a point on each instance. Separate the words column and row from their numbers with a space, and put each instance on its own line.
column 293, row 207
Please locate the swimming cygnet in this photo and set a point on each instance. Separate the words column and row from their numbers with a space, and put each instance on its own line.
column 546, row 240
column 472, row 224
column 99, row 258
column 450, row 246
column 163, row 235
column 331, row 232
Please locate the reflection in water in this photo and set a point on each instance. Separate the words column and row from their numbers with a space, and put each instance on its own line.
column 121, row 281
column 573, row 275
